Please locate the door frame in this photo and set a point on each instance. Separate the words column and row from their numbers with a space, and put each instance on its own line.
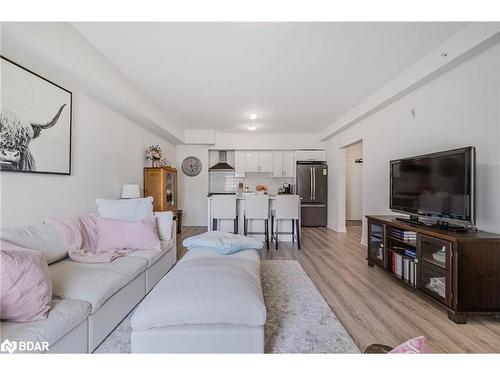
column 343, row 193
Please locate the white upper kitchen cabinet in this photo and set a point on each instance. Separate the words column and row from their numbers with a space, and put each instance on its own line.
column 239, row 164
column 252, row 161
column 266, row 161
column 259, row 161
column 288, row 164
column 284, row 165
column 278, row 164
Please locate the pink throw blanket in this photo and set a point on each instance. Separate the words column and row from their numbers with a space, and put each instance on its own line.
column 80, row 235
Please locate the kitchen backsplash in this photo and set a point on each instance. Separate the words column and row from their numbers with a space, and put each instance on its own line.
column 225, row 182
column 222, row 182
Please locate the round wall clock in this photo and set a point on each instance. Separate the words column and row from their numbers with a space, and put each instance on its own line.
column 191, row 166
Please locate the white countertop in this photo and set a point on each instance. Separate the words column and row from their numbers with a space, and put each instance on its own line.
column 242, row 196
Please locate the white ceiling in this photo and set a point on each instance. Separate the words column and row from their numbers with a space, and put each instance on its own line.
column 299, row 76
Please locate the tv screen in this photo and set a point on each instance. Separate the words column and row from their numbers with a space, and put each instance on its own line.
column 439, row 185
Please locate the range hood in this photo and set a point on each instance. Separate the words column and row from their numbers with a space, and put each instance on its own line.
column 222, row 164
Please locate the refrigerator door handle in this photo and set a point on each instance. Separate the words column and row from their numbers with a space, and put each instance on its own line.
column 314, row 183
column 311, row 181
column 313, row 205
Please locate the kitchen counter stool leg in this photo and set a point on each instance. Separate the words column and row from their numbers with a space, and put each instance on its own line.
column 277, row 231
column 272, row 228
column 297, row 223
column 266, row 230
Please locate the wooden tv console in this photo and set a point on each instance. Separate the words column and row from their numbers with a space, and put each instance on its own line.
column 461, row 271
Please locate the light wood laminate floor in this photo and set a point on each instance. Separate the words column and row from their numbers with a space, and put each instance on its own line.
column 371, row 306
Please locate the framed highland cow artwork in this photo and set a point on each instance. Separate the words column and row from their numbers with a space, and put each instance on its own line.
column 35, row 122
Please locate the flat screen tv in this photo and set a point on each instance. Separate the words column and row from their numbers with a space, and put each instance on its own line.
column 438, row 185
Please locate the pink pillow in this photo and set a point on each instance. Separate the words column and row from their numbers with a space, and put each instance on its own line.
column 126, row 235
column 25, row 284
column 417, row 345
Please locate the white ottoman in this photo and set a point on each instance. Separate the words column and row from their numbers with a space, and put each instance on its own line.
column 208, row 303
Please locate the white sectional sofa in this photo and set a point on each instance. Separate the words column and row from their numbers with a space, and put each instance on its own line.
column 90, row 299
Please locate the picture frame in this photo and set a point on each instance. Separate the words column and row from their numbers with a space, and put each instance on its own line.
column 35, row 122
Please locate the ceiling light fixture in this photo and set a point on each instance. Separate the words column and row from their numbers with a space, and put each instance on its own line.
column 253, row 115
column 252, row 127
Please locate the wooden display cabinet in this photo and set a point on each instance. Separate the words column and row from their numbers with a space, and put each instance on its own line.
column 161, row 184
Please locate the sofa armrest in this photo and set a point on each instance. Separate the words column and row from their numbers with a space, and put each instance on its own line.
column 174, row 238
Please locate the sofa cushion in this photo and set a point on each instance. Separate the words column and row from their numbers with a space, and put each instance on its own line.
column 125, row 209
column 164, row 223
column 115, row 234
column 152, row 256
column 63, row 317
column 94, row 282
column 205, row 290
column 42, row 237
column 25, row 284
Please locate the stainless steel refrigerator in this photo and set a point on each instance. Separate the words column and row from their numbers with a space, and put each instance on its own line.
column 312, row 187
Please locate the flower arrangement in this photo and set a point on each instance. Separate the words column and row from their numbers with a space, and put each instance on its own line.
column 163, row 162
column 154, row 154
column 261, row 189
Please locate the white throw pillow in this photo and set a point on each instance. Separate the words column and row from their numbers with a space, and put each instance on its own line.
column 42, row 237
column 125, row 209
column 164, row 222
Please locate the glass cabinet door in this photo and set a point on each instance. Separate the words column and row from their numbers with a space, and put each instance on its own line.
column 170, row 188
column 376, row 234
column 435, row 268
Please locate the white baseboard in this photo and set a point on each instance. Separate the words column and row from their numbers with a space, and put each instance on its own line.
column 339, row 228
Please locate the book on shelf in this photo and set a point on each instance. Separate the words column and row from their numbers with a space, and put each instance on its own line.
column 412, row 253
column 405, row 235
column 407, row 251
column 399, row 265
column 405, row 268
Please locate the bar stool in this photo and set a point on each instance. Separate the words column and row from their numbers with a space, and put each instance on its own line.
column 257, row 208
column 286, row 208
column 224, row 208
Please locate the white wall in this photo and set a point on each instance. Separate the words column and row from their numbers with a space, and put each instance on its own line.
column 267, row 141
column 193, row 190
column 354, row 182
column 458, row 108
column 113, row 123
column 56, row 50
column 107, row 152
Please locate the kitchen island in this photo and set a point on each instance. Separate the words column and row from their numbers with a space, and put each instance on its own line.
column 253, row 225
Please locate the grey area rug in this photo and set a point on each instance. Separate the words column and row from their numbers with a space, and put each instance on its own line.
column 298, row 318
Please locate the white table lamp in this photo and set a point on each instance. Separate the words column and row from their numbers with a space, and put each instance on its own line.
column 131, row 191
